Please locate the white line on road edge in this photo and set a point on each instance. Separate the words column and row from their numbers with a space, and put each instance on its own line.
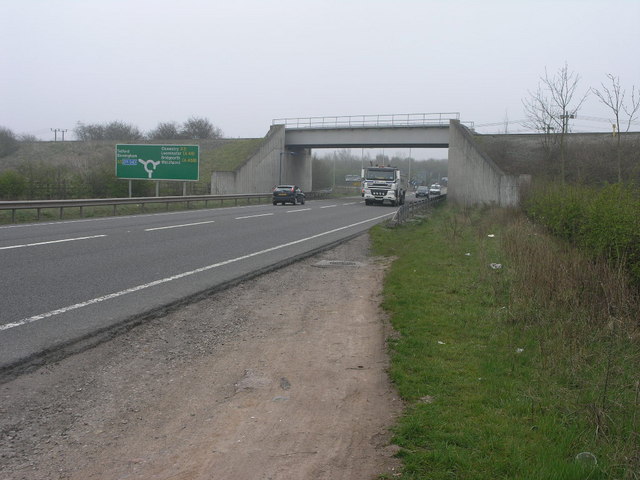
column 59, row 311
column 177, row 226
column 50, row 242
column 254, row 216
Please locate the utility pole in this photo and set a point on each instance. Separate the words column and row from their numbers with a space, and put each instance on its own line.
column 55, row 133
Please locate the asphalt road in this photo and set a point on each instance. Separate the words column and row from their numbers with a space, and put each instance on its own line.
column 65, row 284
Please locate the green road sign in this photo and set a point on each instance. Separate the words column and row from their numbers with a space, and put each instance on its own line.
column 158, row 162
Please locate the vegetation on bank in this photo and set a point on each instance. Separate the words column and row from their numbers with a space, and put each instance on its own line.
column 604, row 222
column 517, row 356
column 60, row 170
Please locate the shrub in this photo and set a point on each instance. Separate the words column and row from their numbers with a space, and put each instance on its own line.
column 12, row 185
column 605, row 222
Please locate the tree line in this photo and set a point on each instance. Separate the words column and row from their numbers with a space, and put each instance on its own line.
column 195, row 128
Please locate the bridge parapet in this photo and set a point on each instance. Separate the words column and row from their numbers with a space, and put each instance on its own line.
column 368, row 121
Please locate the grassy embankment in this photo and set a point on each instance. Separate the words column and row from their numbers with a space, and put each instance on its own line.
column 509, row 372
column 223, row 156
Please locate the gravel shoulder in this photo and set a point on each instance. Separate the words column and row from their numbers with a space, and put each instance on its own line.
column 281, row 377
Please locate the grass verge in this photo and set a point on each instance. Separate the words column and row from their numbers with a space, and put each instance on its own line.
column 508, row 367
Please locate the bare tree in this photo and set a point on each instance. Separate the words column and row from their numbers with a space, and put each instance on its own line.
column 165, row 131
column 553, row 104
column 200, row 128
column 8, row 142
column 89, row 132
column 115, row 130
column 613, row 97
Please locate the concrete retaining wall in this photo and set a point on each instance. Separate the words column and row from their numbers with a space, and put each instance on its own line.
column 270, row 165
column 473, row 177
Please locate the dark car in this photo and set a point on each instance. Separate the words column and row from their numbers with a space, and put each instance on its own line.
column 288, row 194
column 422, row 191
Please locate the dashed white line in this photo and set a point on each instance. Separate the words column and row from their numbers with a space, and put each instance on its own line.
column 50, row 242
column 298, row 210
column 254, row 216
column 329, row 206
column 178, row 226
column 137, row 288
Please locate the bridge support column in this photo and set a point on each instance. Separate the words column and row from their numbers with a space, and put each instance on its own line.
column 296, row 168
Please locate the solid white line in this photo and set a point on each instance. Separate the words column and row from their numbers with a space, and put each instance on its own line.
column 111, row 296
column 178, row 226
column 254, row 216
column 50, row 242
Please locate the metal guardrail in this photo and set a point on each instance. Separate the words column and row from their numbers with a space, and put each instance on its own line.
column 39, row 205
column 383, row 120
column 409, row 209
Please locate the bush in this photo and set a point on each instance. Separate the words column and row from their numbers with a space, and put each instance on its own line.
column 12, row 185
column 605, row 222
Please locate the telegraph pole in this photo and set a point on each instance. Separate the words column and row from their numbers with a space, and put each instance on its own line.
column 55, row 133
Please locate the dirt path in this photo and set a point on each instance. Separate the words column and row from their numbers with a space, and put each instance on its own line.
column 281, row 377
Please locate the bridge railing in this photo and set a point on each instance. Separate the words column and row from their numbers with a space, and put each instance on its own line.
column 382, row 120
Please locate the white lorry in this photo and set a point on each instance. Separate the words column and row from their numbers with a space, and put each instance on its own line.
column 383, row 184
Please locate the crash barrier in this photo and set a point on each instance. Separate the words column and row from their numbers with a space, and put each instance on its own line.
column 409, row 209
column 39, row 205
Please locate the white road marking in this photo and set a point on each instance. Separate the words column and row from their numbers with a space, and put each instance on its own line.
column 254, row 216
column 100, row 219
column 50, row 242
column 137, row 288
column 178, row 226
column 298, row 210
column 329, row 206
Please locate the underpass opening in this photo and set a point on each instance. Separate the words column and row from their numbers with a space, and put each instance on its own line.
column 340, row 169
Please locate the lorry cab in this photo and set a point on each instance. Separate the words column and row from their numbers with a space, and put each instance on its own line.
column 382, row 184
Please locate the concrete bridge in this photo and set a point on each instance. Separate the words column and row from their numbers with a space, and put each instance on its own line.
column 285, row 154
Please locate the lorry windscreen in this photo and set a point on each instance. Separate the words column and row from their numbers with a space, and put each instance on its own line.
column 380, row 175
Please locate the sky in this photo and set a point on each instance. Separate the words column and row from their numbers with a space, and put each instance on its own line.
column 243, row 63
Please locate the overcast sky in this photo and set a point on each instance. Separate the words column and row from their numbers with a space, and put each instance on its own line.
column 242, row 63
